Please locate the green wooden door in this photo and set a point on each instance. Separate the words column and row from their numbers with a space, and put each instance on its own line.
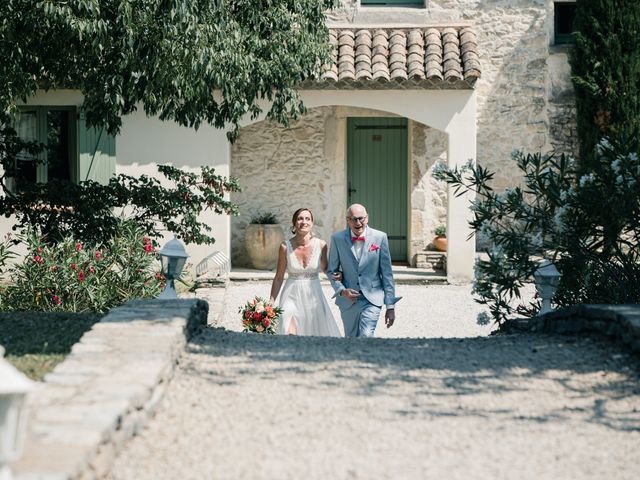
column 377, row 176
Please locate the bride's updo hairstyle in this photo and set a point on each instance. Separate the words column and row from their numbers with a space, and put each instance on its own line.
column 295, row 217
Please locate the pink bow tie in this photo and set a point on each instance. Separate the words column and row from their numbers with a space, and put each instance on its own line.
column 357, row 239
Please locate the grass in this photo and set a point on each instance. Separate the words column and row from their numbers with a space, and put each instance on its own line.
column 35, row 342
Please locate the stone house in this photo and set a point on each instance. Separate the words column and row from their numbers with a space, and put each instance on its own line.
column 412, row 83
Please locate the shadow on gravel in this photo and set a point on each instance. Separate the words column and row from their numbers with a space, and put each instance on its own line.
column 447, row 372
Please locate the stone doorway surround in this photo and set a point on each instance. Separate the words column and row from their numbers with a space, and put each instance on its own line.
column 425, row 74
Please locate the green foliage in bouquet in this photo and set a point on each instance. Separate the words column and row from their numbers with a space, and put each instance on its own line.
column 73, row 276
column 260, row 316
column 587, row 224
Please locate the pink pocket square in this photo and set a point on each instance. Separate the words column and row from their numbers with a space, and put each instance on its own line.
column 374, row 247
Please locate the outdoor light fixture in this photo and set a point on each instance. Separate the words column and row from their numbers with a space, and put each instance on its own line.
column 14, row 387
column 547, row 278
column 173, row 256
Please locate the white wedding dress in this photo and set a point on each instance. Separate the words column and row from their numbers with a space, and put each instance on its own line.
column 302, row 298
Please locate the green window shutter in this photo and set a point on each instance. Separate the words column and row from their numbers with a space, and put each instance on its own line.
column 96, row 153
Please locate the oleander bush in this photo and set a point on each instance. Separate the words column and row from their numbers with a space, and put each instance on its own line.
column 587, row 224
column 73, row 276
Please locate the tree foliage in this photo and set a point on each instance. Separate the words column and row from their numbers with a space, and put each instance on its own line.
column 189, row 61
column 167, row 55
column 562, row 215
column 605, row 67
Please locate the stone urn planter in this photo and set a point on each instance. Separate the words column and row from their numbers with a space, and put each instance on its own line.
column 262, row 241
column 440, row 240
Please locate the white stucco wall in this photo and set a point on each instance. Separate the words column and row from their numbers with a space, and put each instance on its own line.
column 146, row 142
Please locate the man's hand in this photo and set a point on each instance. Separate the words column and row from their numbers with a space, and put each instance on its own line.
column 350, row 293
column 337, row 276
column 389, row 317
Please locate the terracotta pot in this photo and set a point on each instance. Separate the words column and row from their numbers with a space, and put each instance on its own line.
column 440, row 242
column 262, row 243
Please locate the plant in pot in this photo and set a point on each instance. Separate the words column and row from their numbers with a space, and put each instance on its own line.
column 440, row 240
column 262, row 239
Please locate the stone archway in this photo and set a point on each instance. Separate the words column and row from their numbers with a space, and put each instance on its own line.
column 451, row 112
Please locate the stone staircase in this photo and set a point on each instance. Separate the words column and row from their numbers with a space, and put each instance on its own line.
column 432, row 260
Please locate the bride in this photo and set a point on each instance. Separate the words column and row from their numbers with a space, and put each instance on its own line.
column 303, row 256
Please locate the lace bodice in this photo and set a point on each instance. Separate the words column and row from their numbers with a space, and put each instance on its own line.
column 295, row 268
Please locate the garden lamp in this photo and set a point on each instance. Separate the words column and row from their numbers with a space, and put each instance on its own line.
column 173, row 256
column 14, row 387
column 547, row 277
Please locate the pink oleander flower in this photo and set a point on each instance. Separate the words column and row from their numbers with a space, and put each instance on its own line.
column 73, row 266
column 81, row 276
column 78, row 247
column 56, row 300
column 38, row 259
column 98, row 255
column 148, row 248
column 92, row 270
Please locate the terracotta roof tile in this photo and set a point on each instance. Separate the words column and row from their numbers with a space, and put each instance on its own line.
column 402, row 58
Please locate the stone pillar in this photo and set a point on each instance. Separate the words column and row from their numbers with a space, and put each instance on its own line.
column 462, row 148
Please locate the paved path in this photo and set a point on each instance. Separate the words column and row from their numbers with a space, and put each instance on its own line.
column 246, row 406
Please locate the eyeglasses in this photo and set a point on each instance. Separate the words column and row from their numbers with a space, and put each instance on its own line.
column 358, row 219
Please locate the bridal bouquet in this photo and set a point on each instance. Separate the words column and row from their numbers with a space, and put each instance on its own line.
column 260, row 316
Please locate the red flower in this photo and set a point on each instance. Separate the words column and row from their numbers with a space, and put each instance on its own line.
column 98, row 255
column 92, row 270
column 39, row 249
column 257, row 316
column 78, row 247
column 148, row 248
column 266, row 322
column 73, row 266
column 38, row 259
column 56, row 300
column 81, row 276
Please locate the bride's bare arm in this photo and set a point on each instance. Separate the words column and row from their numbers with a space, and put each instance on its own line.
column 277, row 280
column 324, row 262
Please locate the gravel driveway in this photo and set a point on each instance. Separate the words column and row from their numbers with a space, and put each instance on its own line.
column 247, row 406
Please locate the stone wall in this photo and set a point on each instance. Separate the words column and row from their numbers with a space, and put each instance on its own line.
column 282, row 169
column 428, row 197
column 516, row 106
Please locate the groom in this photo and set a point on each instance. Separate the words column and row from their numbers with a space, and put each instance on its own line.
column 362, row 255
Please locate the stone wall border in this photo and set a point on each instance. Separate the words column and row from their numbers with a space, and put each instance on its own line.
column 621, row 322
column 106, row 389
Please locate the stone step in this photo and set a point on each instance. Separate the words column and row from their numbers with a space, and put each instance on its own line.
column 432, row 260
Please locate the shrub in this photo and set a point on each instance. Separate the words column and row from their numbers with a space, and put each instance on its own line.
column 605, row 69
column 85, row 210
column 77, row 277
column 441, row 231
column 562, row 215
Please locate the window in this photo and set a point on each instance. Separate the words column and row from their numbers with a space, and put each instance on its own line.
column 71, row 150
column 400, row 3
column 564, row 14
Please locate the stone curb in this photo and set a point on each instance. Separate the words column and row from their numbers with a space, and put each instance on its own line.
column 106, row 389
column 622, row 322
